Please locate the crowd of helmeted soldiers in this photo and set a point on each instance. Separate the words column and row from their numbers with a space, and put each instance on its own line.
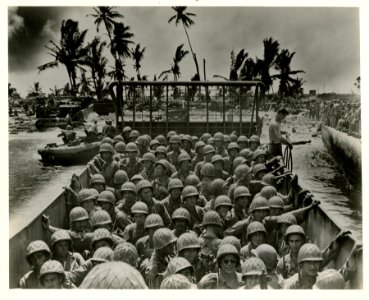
column 182, row 212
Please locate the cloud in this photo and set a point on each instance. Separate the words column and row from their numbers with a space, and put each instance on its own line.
column 16, row 22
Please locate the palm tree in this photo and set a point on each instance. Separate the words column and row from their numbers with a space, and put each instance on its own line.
column 236, row 64
column 264, row 65
column 35, row 90
column 55, row 91
column 357, row 82
column 138, row 55
column 296, row 89
column 97, row 63
column 282, row 64
column 70, row 52
column 175, row 69
column 185, row 18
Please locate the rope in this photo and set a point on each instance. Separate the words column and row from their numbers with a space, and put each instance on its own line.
column 287, row 159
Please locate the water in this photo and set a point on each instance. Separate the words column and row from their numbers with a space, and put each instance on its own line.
column 32, row 185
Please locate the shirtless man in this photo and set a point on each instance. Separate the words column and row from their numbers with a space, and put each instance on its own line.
column 275, row 134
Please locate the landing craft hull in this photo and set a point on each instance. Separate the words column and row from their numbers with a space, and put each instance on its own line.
column 346, row 150
column 73, row 155
column 319, row 226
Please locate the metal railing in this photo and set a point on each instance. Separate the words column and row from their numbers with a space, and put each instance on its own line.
column 155, row 107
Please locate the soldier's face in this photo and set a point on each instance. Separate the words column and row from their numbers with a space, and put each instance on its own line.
column 147, row 164
column 243, row 201
column 228, row 264
column 51, row 281
column 175, row 193
column 160, row 155
column 102, row 243
column 159, row 170
column 106, row 155
column 232, row 152
column 276, row 211
column 185, row 165
column 88, row 205
column 223, row 211
column 254, row 146
column 38, row 259
column 80, row 226
column 140, row 219
column 62, row 248
column 175, row 146
column 257, row 238
column 180, row 226
column 218, row 165
column 251, row 281
column 146, row 194
column 310, row 268
column 128, row 195
column 189, row 254
column 169, row 249
column 295, row 242
column 187, row 273
column 99, row 187
column 259, row 215
column 242, row 145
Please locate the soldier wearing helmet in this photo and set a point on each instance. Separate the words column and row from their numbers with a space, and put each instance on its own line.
column 127, row 253
column 120, row 151
column 62, row 250
column 113, row 275
column 227, row 140
column 120, row 177
column 87, row 199
column 161, row 139
column 254, row 273
column 173, row 155
column 154, row 144
column 218, row 162
column 233, row 150
column 242, row 142
column 126, row 132
column 68, row 135
column 143, row 144
column 108, row 165
column 205, row 137
column 38, row 253
column 184, row 167
column 258, row 171
column 309, row 259
column 164, row 242
column 97, row 182
column 106, row 200
column 173, row 201
column 129, row 196
column 52, row 276
column 256, row 235
column 193, row 180
column 161, row 153
column 101, row 237
column 186, row 142
column 219, row 144
column 329, row 279
column 215, row 189
column 132, row 164
column 190, row 197
column 275, row 134
column 177, row 282
column 179, row 265
column 259, row 156
column 136, row 230
column 228, row 259
column 210, row 237
column 199, row 147
column 161, row 181
column 133, row 135
column 223, row 205
column 145, row 193
column 269, row 256
column 294, row 239
column 208, row 152
column 207, row 175
column 242, row 201
column 148, row 172
column 254, row 142
column 181, row 222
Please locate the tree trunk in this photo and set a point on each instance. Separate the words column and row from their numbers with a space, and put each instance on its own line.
column 193, row 55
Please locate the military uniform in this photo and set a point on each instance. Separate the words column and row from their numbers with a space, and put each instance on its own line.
column 296, row 282
column 171, row 205
column 30, row 281
column 108, row 170
column 217, row 281
column 157, row 207
column 287, row 266
column 132, row 234
column 173, row 157
column 182, row 175
column 73, row 261
column 148, row 174
column 131, row 167
column 160, row 189
column 156, row 266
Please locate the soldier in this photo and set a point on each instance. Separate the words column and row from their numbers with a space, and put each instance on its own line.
column 242, row 142
column 207, row 175
column 114, row 275
column 131, row 164
column 161, row 181
column 184, row 167
column 179, row 265
column 161, row 139
column 215, row 189
column 52, row 276
column 330, row 279
column 218, row 162
column 173, row 201
column 181, row 222
column 233, row 150
column 118, row 138
column 120, row 177
column 193, row 180
column 188, row 246
column 246, row 154
column 61, row 247
column 208, row 153
column 227, row 140
column 187, row 145
column 284, row 221
column 259, row 156
column 148, row 172
column 242, row 201
column 199, row 156
column 227, row 277
column 176, row 282
column 164, row 241
column 309, row 262
column 136, row 230
column 258, row 171
column 106, row 200
column 219, row 144
column 254, row 142
column 223, row 205
column 270, row 258
column 126, row 253
column 145, row 244
column 254, row 274
column 190, row 197
column 153, row 145
column 97, row 182
column 175, row 144
column 256, row 235
column 288, row 264
column 86, row 199
column 126, row 132
column 133, row 135
column 38, row 253
column 129, row 197
column 145, row 192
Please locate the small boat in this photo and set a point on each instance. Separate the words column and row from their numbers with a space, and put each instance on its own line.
column 69, row 155
column 346, row 150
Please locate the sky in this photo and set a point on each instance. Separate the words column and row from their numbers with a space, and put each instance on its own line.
column 326, row 41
